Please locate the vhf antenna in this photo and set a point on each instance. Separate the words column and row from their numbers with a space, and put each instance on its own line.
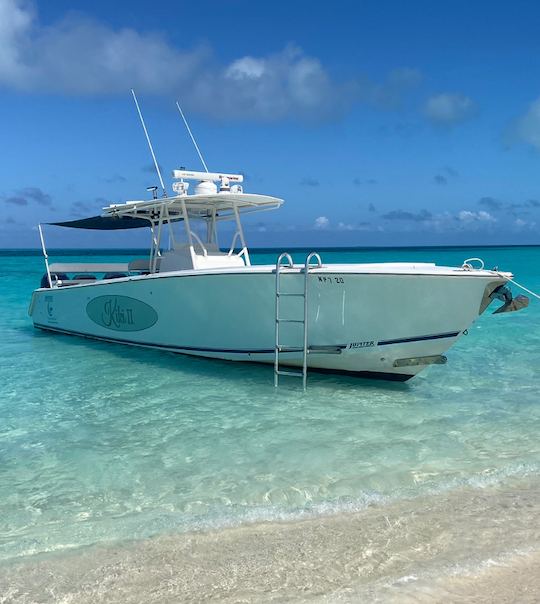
column 192, row 137
column 149, row 144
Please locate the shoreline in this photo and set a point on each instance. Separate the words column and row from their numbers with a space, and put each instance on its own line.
column 422, row 549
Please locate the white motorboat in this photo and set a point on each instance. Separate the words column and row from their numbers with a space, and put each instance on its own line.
column 387, row 320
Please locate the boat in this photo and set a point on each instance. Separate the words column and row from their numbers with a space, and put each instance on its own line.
column 192, row 295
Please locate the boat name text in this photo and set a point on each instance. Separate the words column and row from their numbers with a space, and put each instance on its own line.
column 113, row 313
column 121, row 313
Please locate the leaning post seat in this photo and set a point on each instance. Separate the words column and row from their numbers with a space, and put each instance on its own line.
column 108, row 276
column 84, row 277
column 182, row 258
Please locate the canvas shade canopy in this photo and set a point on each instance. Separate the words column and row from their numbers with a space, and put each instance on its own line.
column 105, row 223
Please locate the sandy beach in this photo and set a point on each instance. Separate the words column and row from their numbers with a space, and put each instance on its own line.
column 509, row 580
column 470, row 545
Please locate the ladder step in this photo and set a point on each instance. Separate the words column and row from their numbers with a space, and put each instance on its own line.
column 291, row 373
column 283, row 263
column 287, row 294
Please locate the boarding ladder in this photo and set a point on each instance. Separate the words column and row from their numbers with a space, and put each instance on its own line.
column 284, row 265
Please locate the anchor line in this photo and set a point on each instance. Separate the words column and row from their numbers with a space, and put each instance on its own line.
column 519, row 285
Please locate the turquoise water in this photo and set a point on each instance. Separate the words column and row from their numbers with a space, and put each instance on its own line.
column 102, row 442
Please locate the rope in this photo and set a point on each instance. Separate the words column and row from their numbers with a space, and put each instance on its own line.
column 467, row 266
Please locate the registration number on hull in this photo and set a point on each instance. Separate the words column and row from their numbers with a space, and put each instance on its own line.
column 331, row 280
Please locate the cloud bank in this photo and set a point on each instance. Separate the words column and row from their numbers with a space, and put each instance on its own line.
column 29, row 195
column 79, row 55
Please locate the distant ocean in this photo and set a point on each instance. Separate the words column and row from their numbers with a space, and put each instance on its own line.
column 104, row 445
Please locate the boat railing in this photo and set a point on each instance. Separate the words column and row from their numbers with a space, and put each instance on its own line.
column 233, row 243
column 198, row 240
column 243, row 253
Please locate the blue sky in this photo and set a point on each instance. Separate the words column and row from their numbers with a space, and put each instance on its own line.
column 379, row 123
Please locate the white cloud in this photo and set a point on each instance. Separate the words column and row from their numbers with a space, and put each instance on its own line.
column 81, row 56
column 524, row 225
column 15, row 21
column 467, row 216
column 443, row 222
column 449, row 108
column 321, row 222
column 359, row 226
column 527, row 127
column 248, row 67
column 283, row 84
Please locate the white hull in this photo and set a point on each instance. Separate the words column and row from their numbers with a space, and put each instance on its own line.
column 361, row 318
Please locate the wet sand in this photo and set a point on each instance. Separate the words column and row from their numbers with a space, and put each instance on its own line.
column 511, row 580
column 468, row 545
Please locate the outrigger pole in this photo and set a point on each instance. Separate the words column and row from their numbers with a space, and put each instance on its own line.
column 192, row 137
column 149, row 143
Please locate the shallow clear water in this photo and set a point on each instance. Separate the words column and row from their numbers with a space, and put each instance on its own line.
column 101, row 442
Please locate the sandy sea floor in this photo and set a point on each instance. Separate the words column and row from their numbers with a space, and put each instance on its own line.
column 467, row 545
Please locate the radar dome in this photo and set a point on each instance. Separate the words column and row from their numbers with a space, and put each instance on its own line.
column 205, row 187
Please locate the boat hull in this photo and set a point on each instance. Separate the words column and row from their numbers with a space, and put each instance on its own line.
column 366, row 323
